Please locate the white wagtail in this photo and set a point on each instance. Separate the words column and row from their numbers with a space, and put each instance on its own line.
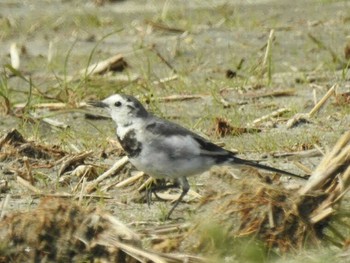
column 166, row 150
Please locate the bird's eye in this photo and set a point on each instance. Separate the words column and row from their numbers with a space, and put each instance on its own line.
column 118, row 104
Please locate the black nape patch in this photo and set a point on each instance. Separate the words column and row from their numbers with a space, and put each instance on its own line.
column 137, row 108
column 130, row 144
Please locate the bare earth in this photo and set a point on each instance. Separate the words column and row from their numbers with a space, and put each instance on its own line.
column 193, row 62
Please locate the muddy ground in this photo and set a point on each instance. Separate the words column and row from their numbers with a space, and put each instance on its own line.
column 219, row 52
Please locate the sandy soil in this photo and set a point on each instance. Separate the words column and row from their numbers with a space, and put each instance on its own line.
column 194, row 43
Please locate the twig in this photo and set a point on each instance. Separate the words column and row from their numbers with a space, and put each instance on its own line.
column 270, row 215
column 4, row 204
column 318, row 106
column 82, row 171
column 320, row 216
column 50, row 52
column 303, row 154
column 303, row 167
column 135, row 251
column 51, row 106
column 164, row 229
column 56, row 123
column 90, row 187
column 223, row 128
column 81, row 195
column 318, row 148
column 27, row 185
column 344, row 181
column 154, row 49
column 304, row 117
column 116, row 63
column 267, row 62
column 173, row 197
column 164, row 80
column 273, row 114
column 181, row 97
column 164, row 27
column 51, row 122
column 145, row 184
column 61, row 195
column 14, row 54
column 29, row 170
column 274, row 93
column 268, row 47
column 330, row 165
column 126, row 182
column 72, row 160
column 297, row 119
column 129, row 77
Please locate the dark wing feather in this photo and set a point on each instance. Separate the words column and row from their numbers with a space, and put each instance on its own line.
column 168, row 129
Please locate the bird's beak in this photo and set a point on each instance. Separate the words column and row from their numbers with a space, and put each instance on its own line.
column 99, row 104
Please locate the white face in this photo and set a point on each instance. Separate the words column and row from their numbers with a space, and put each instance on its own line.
column 123, row 108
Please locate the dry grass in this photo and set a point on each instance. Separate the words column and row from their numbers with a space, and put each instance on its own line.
column 286, row 219
column 59, row 230
column 204, row 65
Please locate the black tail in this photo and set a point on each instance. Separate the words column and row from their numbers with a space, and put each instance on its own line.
column 236, row 160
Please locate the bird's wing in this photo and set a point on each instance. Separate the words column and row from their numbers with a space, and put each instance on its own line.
column 172, row 130
column 166, row 128
column 186, row 144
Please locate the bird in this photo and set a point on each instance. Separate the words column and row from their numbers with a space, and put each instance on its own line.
column 164, row 149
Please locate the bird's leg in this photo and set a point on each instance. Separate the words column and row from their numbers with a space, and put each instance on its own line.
column 151, row 189
column 185, row 188
column 155, row 188
column 148, row 196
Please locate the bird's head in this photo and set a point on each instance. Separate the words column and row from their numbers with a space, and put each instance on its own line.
column 122, row 108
